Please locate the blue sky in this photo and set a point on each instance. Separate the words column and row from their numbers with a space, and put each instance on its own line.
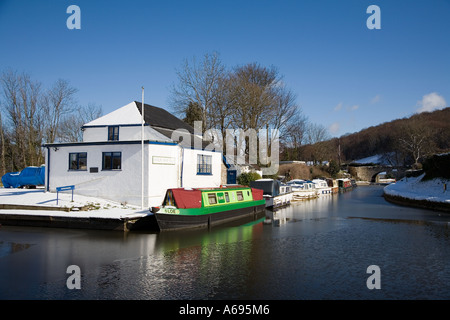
column 346, row 76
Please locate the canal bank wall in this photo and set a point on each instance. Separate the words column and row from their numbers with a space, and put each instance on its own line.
column 424, row 204
column 38, row 208
column 46, row 220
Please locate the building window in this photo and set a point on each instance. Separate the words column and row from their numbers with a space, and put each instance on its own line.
column 78, row 161
column 113, row 133
column 112, row 161
column 204, row 164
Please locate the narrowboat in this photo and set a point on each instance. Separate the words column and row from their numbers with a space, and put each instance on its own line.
column 276, row 193
column 185, row 208
column 345, row 184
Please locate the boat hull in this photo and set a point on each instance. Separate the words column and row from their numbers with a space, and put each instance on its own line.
column 279, row 201
column 167, row 221
column 304, row 195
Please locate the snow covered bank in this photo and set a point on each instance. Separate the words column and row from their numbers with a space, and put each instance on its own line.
column 96, row 207
column 433, row 194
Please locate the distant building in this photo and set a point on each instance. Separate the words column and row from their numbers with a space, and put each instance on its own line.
column 108, row 164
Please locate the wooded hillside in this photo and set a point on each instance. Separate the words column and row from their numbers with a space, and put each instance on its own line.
column 403, row 141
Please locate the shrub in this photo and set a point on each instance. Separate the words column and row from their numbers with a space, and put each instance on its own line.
column 437, row 166
column 247, row 177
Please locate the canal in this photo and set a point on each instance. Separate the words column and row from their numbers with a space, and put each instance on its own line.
column 318, row 249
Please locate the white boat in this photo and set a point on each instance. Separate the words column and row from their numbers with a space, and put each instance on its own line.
column 276, row 193
column 322, row 187
column 302, row 189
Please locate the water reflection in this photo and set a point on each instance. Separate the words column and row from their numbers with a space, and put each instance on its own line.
column 7, row 248
column 318, row 249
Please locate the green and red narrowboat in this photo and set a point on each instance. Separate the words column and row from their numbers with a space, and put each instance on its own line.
column 184, row 208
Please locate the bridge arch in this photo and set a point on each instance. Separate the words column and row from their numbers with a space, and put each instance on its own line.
column 370, row 173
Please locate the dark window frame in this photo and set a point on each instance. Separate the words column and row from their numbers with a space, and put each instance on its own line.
column 204, row 164
column 78, row 156
column 109, row 164
column 113, row 133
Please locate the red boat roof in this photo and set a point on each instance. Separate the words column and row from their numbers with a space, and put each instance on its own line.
column 257, row 194
column 187, row 198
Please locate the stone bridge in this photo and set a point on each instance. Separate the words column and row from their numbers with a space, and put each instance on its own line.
column 369, row 173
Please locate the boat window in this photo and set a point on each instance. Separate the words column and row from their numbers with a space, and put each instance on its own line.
column 240, row 196
column 212, row 198
column 169, row 201
column 227, row 197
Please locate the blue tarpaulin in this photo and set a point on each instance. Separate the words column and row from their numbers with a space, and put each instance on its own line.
column 30, row 176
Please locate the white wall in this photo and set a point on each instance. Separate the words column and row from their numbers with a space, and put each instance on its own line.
column 193, row 180
column 166, row 165
column 126, row 133
column 122, row 185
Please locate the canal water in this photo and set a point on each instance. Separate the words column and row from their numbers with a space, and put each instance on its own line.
column 317, row 249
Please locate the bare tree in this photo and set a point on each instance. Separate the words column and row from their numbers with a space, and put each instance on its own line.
column 247, row 98
column 293, row 135
column 3, row 142
column 316, row 135
column 30, row 117
column 20, row 102
column 71, row 124
column 57, row 103
column 198, row 82
column 416, row 139
column 285, row 112
column 254, row 95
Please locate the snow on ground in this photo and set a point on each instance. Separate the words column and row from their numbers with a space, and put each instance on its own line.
column 416, row 189
column 98, row 208
column 372, row 159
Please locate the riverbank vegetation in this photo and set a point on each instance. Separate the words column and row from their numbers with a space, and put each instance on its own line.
column 33, row 114
column 403, row 142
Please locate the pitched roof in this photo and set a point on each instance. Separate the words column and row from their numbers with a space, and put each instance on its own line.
column 158, row 117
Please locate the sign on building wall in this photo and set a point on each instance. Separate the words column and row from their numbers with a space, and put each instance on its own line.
column 163, row 160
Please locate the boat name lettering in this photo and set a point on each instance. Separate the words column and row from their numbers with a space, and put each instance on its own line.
column 171, row 210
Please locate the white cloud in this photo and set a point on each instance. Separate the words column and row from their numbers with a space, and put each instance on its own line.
column 431, row 102
column 353, row 108
column 375, row 99
column 338, row 107
column 334, row 128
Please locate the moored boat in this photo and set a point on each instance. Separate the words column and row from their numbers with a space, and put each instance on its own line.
column 345, row 184
column 302, row 189
column 184, row 208
column 322, row 187
column 276, row 193
column 333, row 184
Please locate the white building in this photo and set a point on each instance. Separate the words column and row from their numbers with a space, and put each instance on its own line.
column 108, row 163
